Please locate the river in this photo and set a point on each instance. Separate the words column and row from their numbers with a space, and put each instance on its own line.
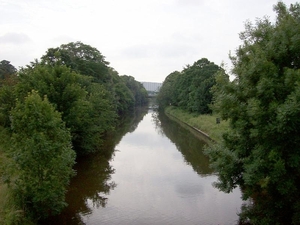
column 153, row 172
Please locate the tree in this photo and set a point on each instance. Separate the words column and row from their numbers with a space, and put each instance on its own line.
column 77, row 98
column 190, row 89
column 261, row 152
column 81, row 58
column 41, row 155
column 88, row 61
column 137, row 89
column 6, row 69
column 167, row 93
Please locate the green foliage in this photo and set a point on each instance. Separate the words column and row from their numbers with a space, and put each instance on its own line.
column 8, row 79
column 79, row 89
column 6, row 69
column 190, row 89
column 167, row 92
column 7, row 102
column 137, row 89
column 41, row 155
column 88, row 61
column 261, row 152
column 81, row 58
column 86, row 107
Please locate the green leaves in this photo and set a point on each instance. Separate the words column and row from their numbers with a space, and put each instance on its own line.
column 263, row 106
column 41, row 155
column 190, row 89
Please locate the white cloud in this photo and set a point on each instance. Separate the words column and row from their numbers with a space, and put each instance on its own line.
column 146, row 39
column 14, row 38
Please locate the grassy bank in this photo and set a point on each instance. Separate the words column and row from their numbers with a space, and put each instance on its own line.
column 205, row 123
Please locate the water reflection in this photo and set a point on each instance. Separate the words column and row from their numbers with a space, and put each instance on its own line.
column 190, row 146
column 157, row 174
column 90, row 188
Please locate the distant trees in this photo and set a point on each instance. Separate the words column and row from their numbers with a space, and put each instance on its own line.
column 168, row 94
column 190, row 89
column 137, row 89
column 7, row 74
column 6, row 69
column 261, row 152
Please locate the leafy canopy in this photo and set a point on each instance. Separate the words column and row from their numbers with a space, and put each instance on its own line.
column 190, row 89
column 261, row 153
column 42, row 157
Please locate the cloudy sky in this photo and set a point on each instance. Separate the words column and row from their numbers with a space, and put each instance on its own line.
column 147, row 39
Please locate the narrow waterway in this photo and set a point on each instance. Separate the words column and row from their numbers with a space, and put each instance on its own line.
column 154, row 172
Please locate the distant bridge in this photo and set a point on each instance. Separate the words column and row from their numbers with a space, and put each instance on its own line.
column 152, row 88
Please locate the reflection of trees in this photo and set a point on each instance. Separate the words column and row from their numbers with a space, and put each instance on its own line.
column 190, row 146
column 92, row 184
column 133, row 119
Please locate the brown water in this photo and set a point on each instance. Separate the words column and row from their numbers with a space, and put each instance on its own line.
column 154, row 173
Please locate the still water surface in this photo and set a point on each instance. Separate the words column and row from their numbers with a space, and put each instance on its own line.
column 155, row 173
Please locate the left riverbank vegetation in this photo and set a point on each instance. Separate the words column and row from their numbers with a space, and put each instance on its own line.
column 260, row 153
column 51, row 111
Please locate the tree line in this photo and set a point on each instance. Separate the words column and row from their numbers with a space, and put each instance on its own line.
column 54, row 110
column 190, row 88
column 261, row 151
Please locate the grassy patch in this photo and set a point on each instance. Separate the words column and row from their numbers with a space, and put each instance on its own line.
column 205, row 123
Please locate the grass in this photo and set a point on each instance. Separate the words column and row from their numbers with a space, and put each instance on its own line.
column 205, row 123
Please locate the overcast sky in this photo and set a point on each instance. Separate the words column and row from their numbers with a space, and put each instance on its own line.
column 147, row 39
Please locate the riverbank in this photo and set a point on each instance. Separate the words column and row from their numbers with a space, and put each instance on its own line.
column 205, row 124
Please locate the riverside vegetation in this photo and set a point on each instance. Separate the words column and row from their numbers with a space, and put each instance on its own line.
column 74, row 90
column 204, row 122
column 260, row 150
column 51, row 112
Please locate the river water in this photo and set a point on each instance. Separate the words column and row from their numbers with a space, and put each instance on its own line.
column 153, row 172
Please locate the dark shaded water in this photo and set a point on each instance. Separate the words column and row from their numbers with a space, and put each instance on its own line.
column 154, row 172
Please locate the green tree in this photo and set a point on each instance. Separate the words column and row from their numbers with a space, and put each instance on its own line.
column 8, row 80
column 6, row 69
column 190, row 89
column 137, row 89
column 88, row 61
column 41, row 156
column 167, row 93
column 81, row 58
column 261, row 152
column 77, row 98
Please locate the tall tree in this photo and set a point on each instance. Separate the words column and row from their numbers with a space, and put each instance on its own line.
column 261, row 153
column 41, row 155
column 81, row 58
